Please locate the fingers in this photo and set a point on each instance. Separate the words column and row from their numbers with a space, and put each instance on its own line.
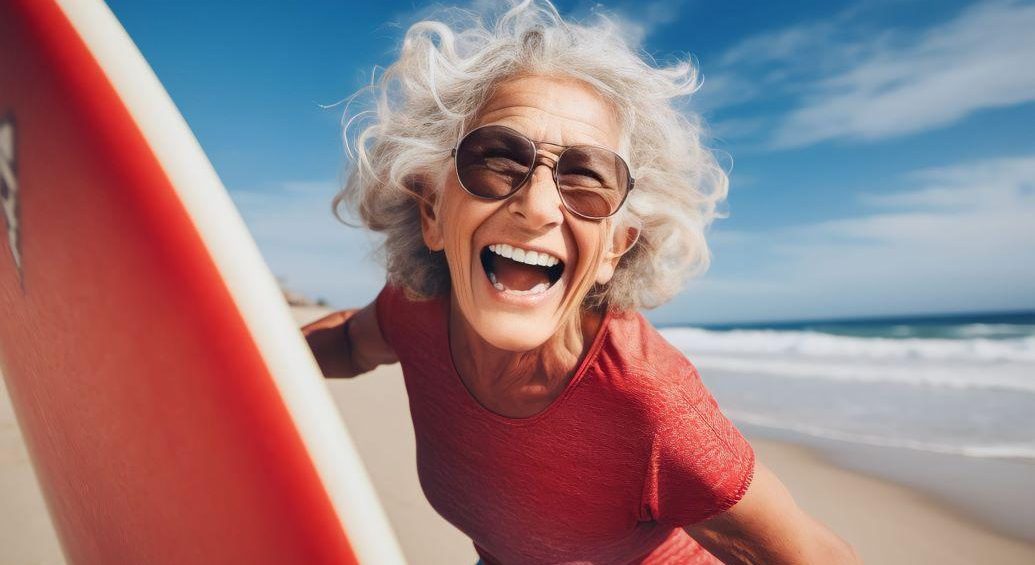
column 334, row 319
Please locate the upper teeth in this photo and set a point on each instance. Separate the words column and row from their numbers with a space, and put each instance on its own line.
column 524, row 256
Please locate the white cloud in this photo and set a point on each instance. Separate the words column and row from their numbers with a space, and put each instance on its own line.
column 981, row 59
column 648, row 17
column 724, row 89
column 635, row 20
column 844, row 79
column 967, row 221
column 737, row 128
column 782, row 46
column 989, row 184
column 958, row 238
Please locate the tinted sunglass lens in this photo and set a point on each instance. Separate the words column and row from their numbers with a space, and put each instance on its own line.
column 593, row 181
column 493, row 162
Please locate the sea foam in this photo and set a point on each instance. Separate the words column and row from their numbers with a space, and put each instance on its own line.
column 816, row 344
column 979, row 363
column 968, row 396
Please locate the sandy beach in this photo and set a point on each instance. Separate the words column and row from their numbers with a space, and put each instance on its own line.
column 888, row 523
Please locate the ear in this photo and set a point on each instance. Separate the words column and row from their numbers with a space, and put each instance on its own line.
column 624, row 238
column 427, row 202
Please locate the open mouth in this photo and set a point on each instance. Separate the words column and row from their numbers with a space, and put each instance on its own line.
column 515, row 271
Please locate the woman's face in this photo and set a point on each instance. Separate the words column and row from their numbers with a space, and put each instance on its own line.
column 549, row 109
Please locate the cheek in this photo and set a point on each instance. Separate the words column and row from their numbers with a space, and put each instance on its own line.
column 590, row 240
column 461, row 217
column 452, row 217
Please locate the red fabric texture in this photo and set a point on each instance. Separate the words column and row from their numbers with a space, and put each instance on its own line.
column 633, row 449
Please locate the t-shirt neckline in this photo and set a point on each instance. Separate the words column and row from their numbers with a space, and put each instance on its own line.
column 480, row 408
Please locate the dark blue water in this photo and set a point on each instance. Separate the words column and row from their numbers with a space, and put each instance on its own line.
column 986, row 325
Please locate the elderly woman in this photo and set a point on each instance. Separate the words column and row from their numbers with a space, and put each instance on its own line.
column 536, row 187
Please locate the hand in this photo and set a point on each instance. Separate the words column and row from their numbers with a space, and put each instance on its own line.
column 331, row 346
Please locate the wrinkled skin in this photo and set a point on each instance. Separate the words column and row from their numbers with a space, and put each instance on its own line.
column 515, row 358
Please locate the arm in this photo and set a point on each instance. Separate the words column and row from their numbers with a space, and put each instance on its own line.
column 768, row 527
column 344, row 354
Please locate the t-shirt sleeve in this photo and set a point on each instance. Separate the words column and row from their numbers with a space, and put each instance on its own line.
column 700, row 465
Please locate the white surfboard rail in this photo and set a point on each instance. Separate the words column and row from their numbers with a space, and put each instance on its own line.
column 250, row 283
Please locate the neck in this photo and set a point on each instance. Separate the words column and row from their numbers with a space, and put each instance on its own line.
column 529, row 378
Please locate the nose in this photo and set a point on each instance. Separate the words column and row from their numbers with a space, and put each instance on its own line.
column 538, row 203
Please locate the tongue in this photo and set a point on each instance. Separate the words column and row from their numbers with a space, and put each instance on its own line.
column 518, row 276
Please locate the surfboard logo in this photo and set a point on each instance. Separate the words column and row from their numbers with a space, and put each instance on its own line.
column 9, row 188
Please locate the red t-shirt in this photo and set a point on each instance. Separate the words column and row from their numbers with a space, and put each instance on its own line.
column 633, row 449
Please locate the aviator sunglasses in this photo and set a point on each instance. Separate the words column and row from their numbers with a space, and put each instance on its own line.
column 494, row 162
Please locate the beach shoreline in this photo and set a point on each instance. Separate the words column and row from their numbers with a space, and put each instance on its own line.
column 998, row 493
column 887, row 522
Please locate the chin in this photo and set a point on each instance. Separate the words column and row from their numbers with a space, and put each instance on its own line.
column 514, row 332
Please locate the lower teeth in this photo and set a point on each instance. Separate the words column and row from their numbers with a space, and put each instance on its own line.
column 537, row 289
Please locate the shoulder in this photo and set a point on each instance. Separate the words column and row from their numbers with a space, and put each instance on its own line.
column 404, row 318
column 633, row 347
column 635, row 354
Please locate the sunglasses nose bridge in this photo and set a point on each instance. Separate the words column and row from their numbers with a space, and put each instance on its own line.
column 545, row 159
column 538, row 198
column 548, row 156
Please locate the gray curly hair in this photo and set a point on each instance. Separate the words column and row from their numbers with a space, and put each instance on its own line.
column 444, row 74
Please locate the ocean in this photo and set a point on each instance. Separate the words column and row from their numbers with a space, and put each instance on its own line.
column 942, row 403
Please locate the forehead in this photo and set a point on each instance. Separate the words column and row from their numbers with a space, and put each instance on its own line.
column 559, row 110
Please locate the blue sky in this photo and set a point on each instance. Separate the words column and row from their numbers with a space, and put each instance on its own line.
column 883, row 160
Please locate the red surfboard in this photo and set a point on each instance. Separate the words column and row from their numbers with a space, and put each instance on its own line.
column 171, row 408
